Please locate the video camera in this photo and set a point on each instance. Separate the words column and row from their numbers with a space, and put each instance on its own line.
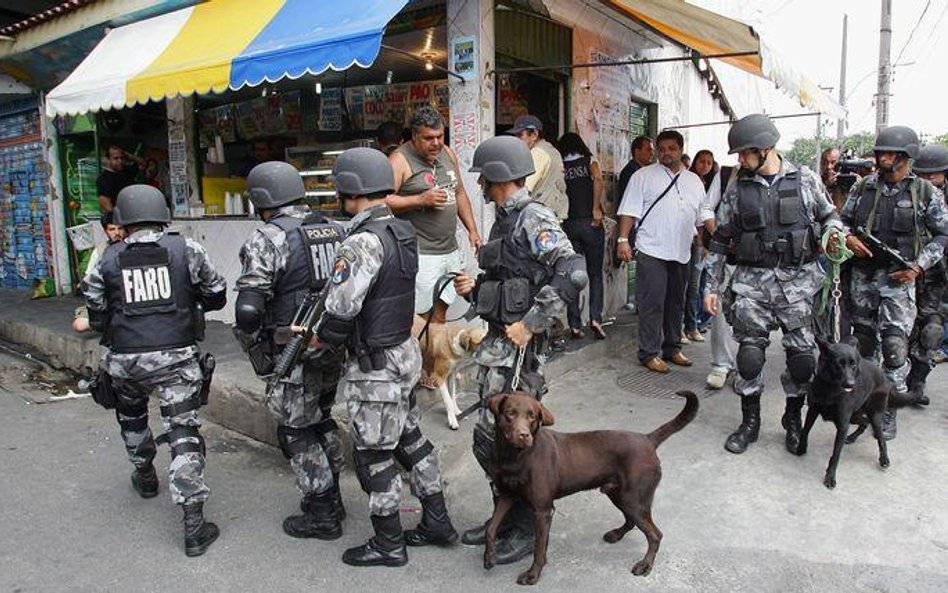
column 849, row 168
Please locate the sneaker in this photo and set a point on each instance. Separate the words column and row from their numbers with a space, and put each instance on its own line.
column 694, row 335
column 717, row 378
column 684, row 339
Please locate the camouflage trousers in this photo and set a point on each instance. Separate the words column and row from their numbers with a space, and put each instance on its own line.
column 497, row 357
column 384, row 421
column 175, row 376
column 883, row 314
column 753, row 321
column 304, row 399
column 928, row 330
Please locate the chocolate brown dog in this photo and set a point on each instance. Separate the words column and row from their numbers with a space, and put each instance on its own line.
column 539, row 466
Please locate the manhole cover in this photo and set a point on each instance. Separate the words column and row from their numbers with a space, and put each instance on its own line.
column 645, row 383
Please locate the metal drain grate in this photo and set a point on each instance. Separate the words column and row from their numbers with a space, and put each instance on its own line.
column 645, row 383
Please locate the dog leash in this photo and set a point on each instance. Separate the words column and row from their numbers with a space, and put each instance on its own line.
column 518, row 364
column 831, row 284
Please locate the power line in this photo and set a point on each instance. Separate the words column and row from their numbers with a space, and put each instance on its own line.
column 914, row 29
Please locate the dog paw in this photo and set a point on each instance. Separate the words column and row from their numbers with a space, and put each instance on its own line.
column 489, row 561
column 453, row 424
column 528, row 577
column 884, row 461
column 613, row 535
column 641, row 568
column 829, row 482
column 800, row 450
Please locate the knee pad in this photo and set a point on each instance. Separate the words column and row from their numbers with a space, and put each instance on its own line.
column 412, row 448
column 931, row 334
column 483, row 447
column 801, row 365
column 866, row 341
column 294, row 441
column 183, row 439
column 750, row 361
column 374, row 469
column 135, row 417
column 894, row 350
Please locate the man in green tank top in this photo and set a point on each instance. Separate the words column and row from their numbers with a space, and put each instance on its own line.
column 430, row 195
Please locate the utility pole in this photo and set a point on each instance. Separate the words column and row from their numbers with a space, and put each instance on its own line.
column 885, row 49
column 841, row 124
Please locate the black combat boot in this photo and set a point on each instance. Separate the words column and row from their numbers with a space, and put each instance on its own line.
column 387, row 548
column 435, row 527
column 889, row 428
column 916, row 382
column 339, row 509
column 749, row 429
column 517, row 542
column 198, row 533
column 145, row 481
column 791, row 423
column 318, row 519
column 475, row 536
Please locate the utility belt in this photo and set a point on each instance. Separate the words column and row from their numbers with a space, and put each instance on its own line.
column 103, row 393
column 793, row 248
column 503, row 301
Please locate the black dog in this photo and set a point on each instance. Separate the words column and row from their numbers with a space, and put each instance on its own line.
column 849, row 389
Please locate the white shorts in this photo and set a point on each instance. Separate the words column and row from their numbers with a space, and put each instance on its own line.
column 430, row 268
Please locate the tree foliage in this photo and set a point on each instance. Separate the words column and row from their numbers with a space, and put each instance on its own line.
column 806, row 150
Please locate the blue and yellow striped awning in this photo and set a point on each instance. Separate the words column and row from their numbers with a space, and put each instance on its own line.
column 223, row 44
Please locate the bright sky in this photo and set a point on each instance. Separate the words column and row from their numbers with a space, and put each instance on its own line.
column 808, row 33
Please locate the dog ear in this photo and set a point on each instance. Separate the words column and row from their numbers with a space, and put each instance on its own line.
column 496, row 403
column 546, row 416
column 822, row 343
column 852, row 341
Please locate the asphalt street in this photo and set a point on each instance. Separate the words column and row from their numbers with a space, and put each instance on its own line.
column 762, row 521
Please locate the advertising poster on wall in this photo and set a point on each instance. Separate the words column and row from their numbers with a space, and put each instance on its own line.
column 462, row 57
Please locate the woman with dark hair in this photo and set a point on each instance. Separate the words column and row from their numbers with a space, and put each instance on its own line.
column 583, row 226
column 705, row 167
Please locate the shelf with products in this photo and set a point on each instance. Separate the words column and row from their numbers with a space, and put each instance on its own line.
column 315, row 165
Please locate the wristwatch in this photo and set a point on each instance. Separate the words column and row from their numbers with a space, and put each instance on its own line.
column 622, row 240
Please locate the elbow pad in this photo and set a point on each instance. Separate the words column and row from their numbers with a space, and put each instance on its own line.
column 333, row 330
column 250, row 309
column 570, row 278
column 214, row 301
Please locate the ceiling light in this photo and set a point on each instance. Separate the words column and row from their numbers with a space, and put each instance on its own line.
column 388, row 77
column 319, row 88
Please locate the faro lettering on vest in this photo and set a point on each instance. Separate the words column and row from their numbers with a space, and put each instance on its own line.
column 146, row 284
column 324, row 255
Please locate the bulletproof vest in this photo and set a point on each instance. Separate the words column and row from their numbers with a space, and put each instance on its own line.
column 388, row 310
column 895, row 221
column 150, row 296
column 775, row 227
column 312, row 244
column 512, row 276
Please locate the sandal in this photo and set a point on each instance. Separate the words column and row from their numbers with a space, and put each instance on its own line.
column 597, row 330
column 576, row 333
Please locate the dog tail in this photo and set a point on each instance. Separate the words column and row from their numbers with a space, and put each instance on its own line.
column 900, row 400
column 680, row 421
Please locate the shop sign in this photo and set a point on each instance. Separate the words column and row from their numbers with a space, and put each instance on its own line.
column 330, row 110
column 371, row 106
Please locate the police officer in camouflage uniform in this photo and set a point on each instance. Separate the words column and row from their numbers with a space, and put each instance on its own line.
column 908, row 214
column 931, row 165
column 143, row 295
column 530, row 274
column 369, row 308
column 289, row 256
column 769, row 224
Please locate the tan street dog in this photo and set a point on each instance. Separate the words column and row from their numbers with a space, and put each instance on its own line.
column 445, row 350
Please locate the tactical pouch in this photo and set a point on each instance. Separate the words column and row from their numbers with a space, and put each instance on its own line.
column 749, row 249
column 101, row 389
column 903, row 219
column 515, row 299
column 753, row 219
column 490, row 254
column 488, row 299
column 208, row 363
column 798, row 246
column 200, row 325
column 788, row 210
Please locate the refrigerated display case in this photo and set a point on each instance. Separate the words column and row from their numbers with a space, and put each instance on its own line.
column 315, row 166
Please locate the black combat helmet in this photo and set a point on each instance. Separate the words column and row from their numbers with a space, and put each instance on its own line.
column 897, row 139
column 752, row 131
column 363, row 172
column 502, row 158
column 931, row 159
column 274, row 184
column 141, row 203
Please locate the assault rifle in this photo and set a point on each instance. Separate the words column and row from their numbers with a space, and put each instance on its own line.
column 879, row 249
column 304, row 321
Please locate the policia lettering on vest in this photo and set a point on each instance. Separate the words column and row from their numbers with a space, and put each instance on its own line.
column 907, row 214
column 282, row 262
column 369, row 310
column 146, row 294
column 530, row 274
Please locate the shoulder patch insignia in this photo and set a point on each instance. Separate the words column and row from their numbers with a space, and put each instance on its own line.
column 341, row 270
column 545, row 240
